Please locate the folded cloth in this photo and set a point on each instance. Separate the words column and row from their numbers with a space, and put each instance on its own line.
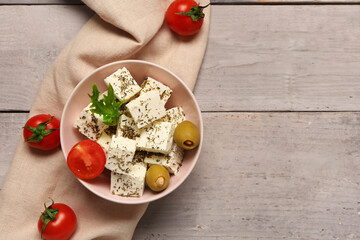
column 128, row 29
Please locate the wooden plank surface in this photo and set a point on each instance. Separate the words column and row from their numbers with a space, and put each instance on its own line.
column 284, row 1
column 290, row 59
column 29, row 45
column 282, row 176
column 67, row 2
column 267, row 176
column 41, row 2
column 10, row 134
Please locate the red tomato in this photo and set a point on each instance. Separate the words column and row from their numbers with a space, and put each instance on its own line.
column 42, row 132
column 86, row 159
column 61, row 222
column 185, row 17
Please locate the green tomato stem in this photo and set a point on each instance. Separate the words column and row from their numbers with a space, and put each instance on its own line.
column 39, row 131
column 195, row 12
column 48, row 215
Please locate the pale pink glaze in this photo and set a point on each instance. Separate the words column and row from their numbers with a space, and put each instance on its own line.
column 182, row 96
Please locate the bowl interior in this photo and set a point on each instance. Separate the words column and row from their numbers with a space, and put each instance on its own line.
column 79, row 99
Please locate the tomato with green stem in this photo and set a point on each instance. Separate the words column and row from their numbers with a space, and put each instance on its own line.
column 57, row 222
column 185, row 17
column 42, row 132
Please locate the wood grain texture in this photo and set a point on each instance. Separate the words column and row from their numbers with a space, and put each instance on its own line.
column 67, row 2
column 292, row 58
column 10, row 134
column 267, row 176
column 31, row 37
column 283, row 1
column 41, row 2
column 296, row 58
column 260, row 175
column 282, row 176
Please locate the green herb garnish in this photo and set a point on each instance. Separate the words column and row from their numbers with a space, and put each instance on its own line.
column 108, row 107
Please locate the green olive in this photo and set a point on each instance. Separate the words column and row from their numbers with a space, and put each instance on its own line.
column 187, row 135
column 157, row 178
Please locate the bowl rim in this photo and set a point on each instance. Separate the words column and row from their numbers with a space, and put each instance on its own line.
column 198, row 149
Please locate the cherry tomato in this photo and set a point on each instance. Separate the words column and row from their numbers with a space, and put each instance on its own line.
column 86, row 159
column 42, row 132
column 185, row 17
column 59, row 220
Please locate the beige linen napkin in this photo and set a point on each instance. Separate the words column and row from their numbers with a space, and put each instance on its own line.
column 127, row 29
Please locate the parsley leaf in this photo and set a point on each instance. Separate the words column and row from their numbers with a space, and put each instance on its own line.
column 108, row 107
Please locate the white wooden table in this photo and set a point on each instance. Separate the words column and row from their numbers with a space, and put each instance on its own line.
column 280, row 94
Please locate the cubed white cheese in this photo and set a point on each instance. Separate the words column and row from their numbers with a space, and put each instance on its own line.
column 127, row 127
column 174, row 115
column 172, row 162
column 146, row 109
column 124, row 85
column 131, row 185
column 120, row 154
column 104, row 140
column 157, row 137
column 135, row 168
column 151, row 84
column 138, row 170
column 139, row 156
column 90, row 124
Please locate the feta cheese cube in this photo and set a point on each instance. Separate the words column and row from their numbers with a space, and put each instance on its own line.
column 157, row 137
column 111, row 130
column 124, row 85
column 146, row 109
column 132, row 183
column 174, row 115
column 127, row 127
column 139, row 156
column 120, row 154
column 172, row 162
column 151, row 84
column 136, row 166
column 138, row 170
column 90, row 124
column 129, row 185
column 104, row 141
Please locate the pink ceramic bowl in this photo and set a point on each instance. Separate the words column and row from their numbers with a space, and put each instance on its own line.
column 182, row 96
